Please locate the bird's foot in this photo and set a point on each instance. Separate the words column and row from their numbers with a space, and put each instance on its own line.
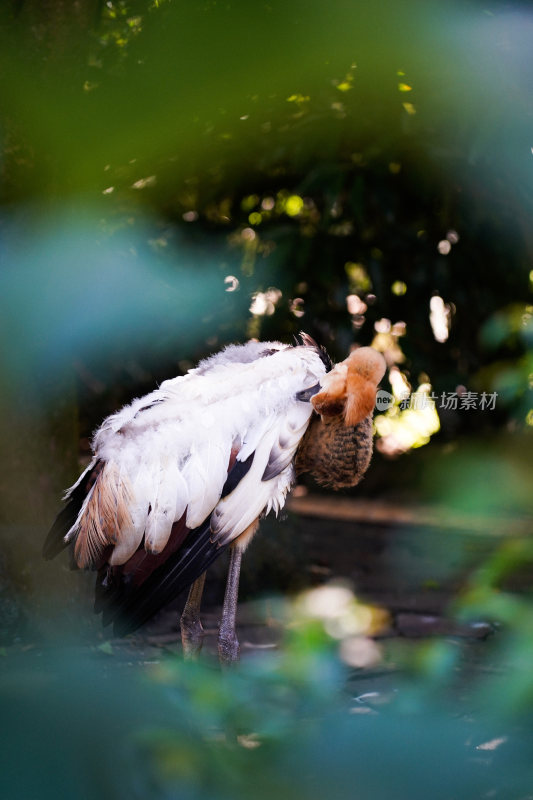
column 192, row 638
column 228, row 646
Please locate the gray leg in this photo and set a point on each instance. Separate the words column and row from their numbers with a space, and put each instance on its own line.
column 192, row 633
column 228, row 644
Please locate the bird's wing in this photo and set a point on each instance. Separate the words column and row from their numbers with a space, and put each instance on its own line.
column 184, row 471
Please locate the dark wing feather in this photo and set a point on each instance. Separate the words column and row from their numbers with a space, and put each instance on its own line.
column 308, row 341
column 306, row 394
column 236, row 474
column 136, row 605
column 278, row 459
column 66, row 518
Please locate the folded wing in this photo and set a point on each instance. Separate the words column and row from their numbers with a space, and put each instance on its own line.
column 184, row 472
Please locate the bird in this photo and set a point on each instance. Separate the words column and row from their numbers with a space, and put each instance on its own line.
column 184, row 473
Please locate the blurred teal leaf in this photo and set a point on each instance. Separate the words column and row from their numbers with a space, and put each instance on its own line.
column 70, row 289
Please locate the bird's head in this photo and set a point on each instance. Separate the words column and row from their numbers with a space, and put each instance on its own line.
column 350, row 388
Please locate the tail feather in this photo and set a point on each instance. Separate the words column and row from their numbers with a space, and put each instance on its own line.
column 55, row 540
column 103, row 516
column 136, row 604
column 107, row 588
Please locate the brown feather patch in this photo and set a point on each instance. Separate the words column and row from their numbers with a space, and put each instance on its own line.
column 330, row 400
column 366, row 368
column 350, row 388
column 103, row 516
column 360, row 399
column 368, row 363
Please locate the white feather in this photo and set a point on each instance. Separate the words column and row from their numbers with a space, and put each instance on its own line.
column 128, row 543
column 205, row 473
column 82, row 476
column 165, row 477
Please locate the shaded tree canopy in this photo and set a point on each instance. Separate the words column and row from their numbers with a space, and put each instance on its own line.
column 163, row 164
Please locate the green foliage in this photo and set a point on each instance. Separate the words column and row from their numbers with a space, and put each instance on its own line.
column 295, row 723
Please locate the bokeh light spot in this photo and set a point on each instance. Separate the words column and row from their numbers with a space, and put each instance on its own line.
column 399, row 288
column 294, row 205
column 232, row 283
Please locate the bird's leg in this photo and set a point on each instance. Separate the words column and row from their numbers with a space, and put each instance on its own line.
column 192, row 632
column 228, row 644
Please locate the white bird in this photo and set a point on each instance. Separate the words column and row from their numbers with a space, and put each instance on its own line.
column 186, row 471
